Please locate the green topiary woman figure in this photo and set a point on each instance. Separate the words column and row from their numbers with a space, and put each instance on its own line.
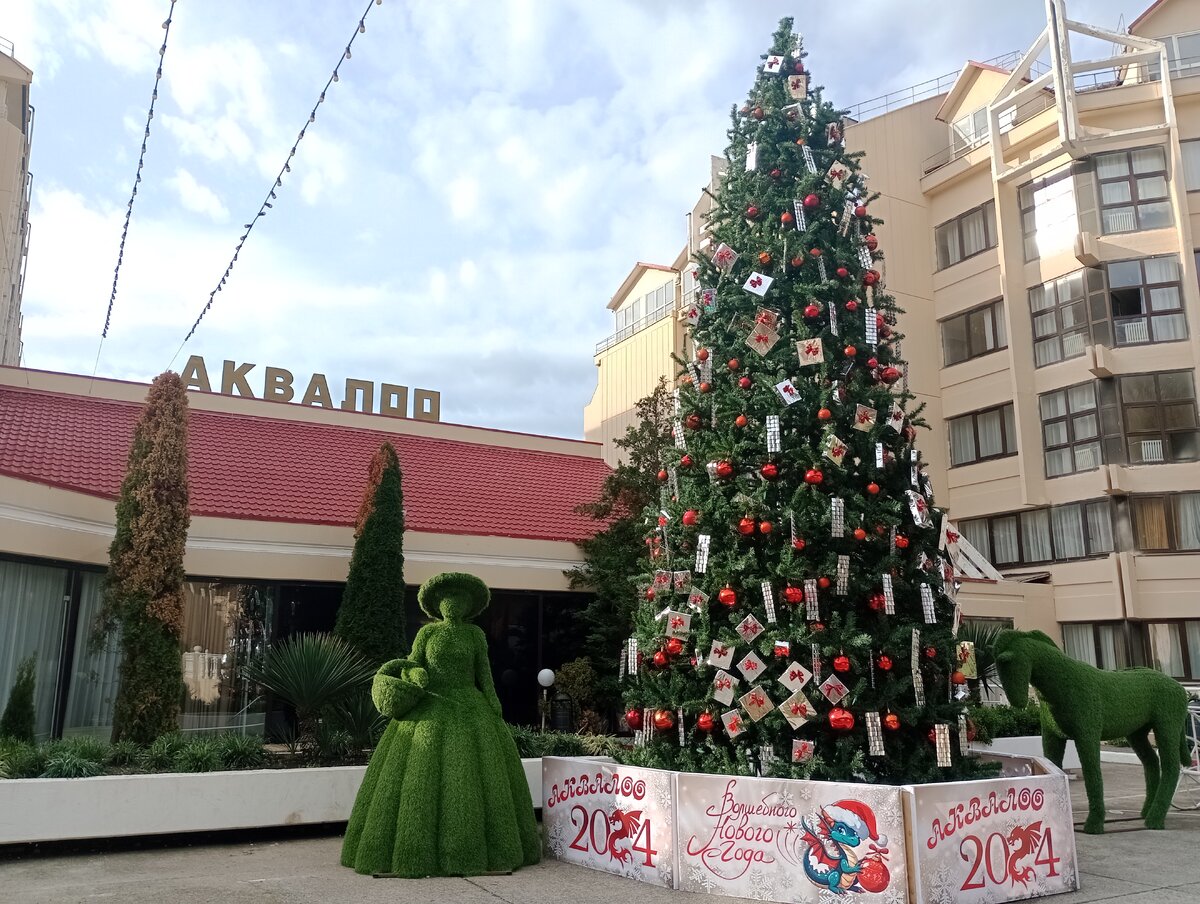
column 445, row 794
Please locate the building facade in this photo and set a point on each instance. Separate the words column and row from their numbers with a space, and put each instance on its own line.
column 274, row 492
column 16, row 131
column 1039, row 213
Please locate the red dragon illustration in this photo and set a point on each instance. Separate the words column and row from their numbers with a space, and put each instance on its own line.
column 1023, row 841
column 626, row 825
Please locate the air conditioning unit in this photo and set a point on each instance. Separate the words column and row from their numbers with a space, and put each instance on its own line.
column 1152, row 450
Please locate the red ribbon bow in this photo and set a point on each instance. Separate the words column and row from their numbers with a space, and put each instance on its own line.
column 796, row 675
column 751, row 666
column 761, row 339
column 757, row 700
column 756, row 282
column 799, row 709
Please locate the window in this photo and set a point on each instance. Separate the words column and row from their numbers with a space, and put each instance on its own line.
column 969, row 130
column 1174, row 648
column 1103, row 645
column 1133, row 190
column 1060, row 316
column 1167, row 523
column 33, row 613
column 1075, row 423
column 1191, row 164
column 1183, row 55
column 982, row 435
column 1049, row 220
column 1146, row 301
column 967, row 235
column 1040, row 536
column 974, row 333
column 1159, row 413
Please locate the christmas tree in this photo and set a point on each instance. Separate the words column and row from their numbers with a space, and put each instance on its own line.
column 796, row 614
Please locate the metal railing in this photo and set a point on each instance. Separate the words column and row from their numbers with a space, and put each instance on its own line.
column 635, row 327
column 7, row 48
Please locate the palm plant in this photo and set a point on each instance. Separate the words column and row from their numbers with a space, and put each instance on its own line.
column 311, row 672
column 983, row 634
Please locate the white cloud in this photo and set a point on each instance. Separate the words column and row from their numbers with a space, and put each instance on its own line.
column 196, row 197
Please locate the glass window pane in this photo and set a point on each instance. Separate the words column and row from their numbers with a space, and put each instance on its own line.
column 1035, row 536
column 1191, row 167
column 1025, row 195
column 946, row 238
column 1141, row 419
column 1166, row 651
column 1047, row 351
column 979, row 327
column 974, row 238
column 954, row 340
column 32, row 613
column 1125, row 273
column 1074, row 344
column 1166, row 298
column 1010, row 428
column 1045, row 325
column 1150, row 522
column 1085, row 426
column 1109, row 166
column 1183, row 446
column 1138, row 388
column 976, row 533
column 1168, row 327
column 1155, row 215
column 1001, row 326
column 1149, row 160
column 962, row 441
column 95, row 674
column 1187, row 520
column 1179, row 417
column 1005, row 550
column 1118, row 219
column 1067, row 525
column 1115, row 192
column 1053, row 404
column 1099, row 525
column 1041, row 298
column 990, row 437
column 1055, row 433
column 1074, row 315
column 1087, row 457
column 1082, row 397
column 1176, row 385
column 1070, row 287
column 1059, row 462
column 1151, row 187
column 1079, row 642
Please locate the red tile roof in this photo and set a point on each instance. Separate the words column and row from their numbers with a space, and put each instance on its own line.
column 270, row 469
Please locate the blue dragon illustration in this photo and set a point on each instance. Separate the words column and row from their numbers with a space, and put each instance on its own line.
column 830, row 860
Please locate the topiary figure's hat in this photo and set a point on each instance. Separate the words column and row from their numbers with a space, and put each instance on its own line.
column 457, row 583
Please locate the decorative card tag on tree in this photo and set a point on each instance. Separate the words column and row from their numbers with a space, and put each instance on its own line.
column 836, row 174
column 874, row 734
column 752, row 156
column 967, row 663
column 762, row 338
column 810, row 351
column 864, row 257
column 964, row 740
column 833, row 133
column 821, row 271
column 751, row 667
column 702, row 542
column 773, row 64
column 706, row 367
column 692, row 314
column 797, row 709
column 896, row 417
column 811, row 611
column 892, row 540
column 915, row 657
column 720, row 655
column 871, row 327
column 677, row 435
column 782, row 649
column 697, row 599
column 733, row 723
column 833, row 320
column 833, row 449
column 767, row 317
column 724, row 258
column 680, row 580
column 918, row 688
column 788, row 392
column 843, row 575
column 758, row 283
column 816, row 661
column 679, row 624
column 756, row 702
column 798, row 86
column 802, row 750
column 749, row 628
column 847, row 218
column 834, row 690
column 774, row 443
column 889, row 596
column 810, row 162
column 800, row 216
column 769, row 601
column 724, row 687
column 633, row 655
column 708, row 297
column 949, row 540
column 941, row 734
column 837, row 517
column 662, row 580
column 914, row 468
column 864, row 418
column 919, row 509
column 927, row 604
column 622, row 662
column 795, row 676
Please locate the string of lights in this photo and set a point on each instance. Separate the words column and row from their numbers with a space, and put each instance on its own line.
column 267, row 204
column 162, row 53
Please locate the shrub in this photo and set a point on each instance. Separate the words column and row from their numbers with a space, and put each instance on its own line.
column 124, row 754
column 1005, row 721
column 601, row 745
column 333, row 745
column 160, row 755
column 20, row 716
column 91, row 749
column 66, row 763
column 238, row 751
column 532, row 744
column 358, row 717
column 198, row 755
column 25, row 760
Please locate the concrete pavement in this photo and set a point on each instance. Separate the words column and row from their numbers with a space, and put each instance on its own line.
column 1128, row 863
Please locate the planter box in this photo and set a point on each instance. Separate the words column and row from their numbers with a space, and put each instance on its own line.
column 1028, row 745
column 991, row 841
column 114, row 806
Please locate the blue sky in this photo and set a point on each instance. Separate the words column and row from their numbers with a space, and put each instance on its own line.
column 473, row 191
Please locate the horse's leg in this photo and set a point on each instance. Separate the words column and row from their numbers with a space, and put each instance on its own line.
column 1088, row 747
column 1140, row 742
column 1054, row 746
column 1168, row 729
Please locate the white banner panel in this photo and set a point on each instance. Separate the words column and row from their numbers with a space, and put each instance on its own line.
column 617, row 819
column 997, row 840
column 793, row 841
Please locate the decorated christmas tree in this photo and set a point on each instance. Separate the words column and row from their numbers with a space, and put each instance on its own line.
column 797, row 614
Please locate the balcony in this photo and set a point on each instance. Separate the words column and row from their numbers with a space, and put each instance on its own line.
column 635, row 327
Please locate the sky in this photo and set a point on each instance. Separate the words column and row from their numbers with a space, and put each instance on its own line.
column 474, row 189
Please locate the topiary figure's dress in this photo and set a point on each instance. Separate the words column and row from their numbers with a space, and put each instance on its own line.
column 444, row 794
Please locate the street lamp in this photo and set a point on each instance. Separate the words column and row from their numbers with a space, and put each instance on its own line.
column 546, row 680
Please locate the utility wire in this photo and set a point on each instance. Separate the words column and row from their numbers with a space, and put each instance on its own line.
column 359, row 28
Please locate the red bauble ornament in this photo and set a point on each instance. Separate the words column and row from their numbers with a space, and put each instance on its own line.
column 765, row 527
column 663, row 719
column 909, row 433
column 727, row 596
column 811, row 201
column 931, row 652
column 734, row 363
column 932, row 736
column 793, row 595
column 662, row 476
column 740, row 420
column 799, row 68
column 660, row 658
column 891, row 722
column 690, row 517
column 873, row 488
column 692, row 422
column 724, row 469
column 686, row 461
column 797, row 261
column 850, row 351
column 852, row 305
column 757, row 113
column 815, row 252
column 889, row 375
column 958, row 678
column 799, row 544
column 901, row 541
column 884, row 662
column 817, row 627
column 841, row 663
column 860, row 534
column 841, row 719
column 633, row 719
column 870, row 277
column 674, row 646
column 786, row 218
column 842, row 272
column 812, row 311
column 702, row 354
column 813, row 476
column 746, row 526
column 872, row 242
column 705, row 721
column 770, row 470
column 649, row 593
column 776, row 173
column 824, row 414
column 860, row 211
column 873, row 876
column 764, row 258
column 823, row 583
column 705, row 387
column 744, row 382
column 751, row 212
column 877, row 602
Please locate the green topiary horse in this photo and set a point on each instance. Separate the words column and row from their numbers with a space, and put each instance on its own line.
column 1086, row 705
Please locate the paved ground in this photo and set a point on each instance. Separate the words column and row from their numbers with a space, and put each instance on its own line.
column 1128, row 863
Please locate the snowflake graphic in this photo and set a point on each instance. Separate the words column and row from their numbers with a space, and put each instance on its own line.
column 557, row 839
column 827, row 896
column 701, row 878
column 895, row 894
column 665, row 873
column 762, row 885
column 940, row 888
column 787, row 798
column 806, row 791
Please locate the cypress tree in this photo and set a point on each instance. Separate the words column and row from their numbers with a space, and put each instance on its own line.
column 20, row 717
column 371, row 618
column 143, row 590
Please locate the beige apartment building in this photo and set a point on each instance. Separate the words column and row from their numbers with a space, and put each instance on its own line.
column 1039, row 215
column 16, row 129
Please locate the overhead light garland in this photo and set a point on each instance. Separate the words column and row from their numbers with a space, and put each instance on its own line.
column 162, row 53
column 359, row 28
